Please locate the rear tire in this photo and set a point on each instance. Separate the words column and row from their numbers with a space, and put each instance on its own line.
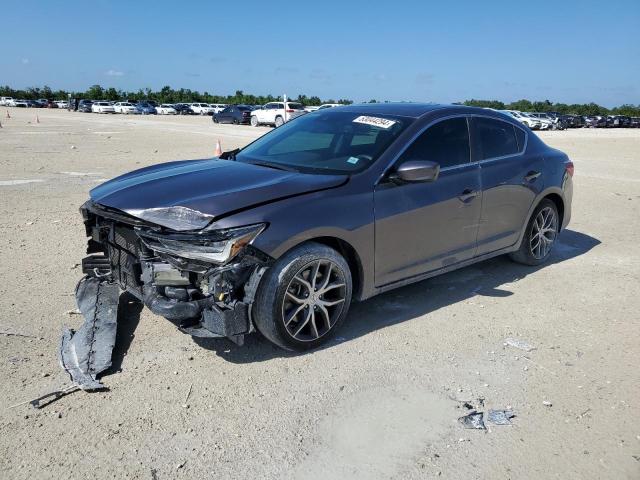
column 539, row 236
column 303, row 299
column 254, row 121
column 279, row 122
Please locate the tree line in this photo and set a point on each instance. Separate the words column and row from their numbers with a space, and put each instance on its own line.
column 185, row 95
column 164, row 95
column 563, row 108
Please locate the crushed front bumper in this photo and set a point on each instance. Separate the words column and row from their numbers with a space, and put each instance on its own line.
column 203, row 299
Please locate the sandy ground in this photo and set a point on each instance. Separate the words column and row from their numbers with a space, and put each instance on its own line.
column 382, row 400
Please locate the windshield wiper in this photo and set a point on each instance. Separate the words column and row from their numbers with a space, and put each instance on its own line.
column 277, row 166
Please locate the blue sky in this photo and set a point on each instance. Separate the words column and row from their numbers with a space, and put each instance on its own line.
column 444, row 51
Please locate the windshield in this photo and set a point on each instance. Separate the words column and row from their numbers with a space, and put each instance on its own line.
column 326, row 141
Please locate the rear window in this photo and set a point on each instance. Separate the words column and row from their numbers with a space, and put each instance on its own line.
column 496, row 138
column 296, row 106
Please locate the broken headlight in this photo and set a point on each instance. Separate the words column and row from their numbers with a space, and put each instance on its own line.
column 175, row 218
column 215, row 246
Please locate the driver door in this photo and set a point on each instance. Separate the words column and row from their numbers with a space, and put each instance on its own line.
column 421, row 227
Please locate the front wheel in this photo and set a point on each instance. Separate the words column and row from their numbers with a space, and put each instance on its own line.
column 304, row 298
column 539, row 236
column 254, row 121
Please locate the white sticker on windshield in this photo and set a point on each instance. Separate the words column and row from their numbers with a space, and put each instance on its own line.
column 352, row 160
column 375, row 121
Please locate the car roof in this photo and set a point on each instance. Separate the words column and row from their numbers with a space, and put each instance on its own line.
column 414, row 110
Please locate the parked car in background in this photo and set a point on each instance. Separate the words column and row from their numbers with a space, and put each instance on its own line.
column 84, row 106
column 236, row 114
column 183, row 109
column 32, row 104
column 552, row 121
column 329, row 105
column 146, row 108
column 166, row 109
column 218, row 107
column 62, row 103
column 276, row 113
column 102, row 107
column 574, row 121
column 532, row 123
column 20, row 103
column 634, row 122
column 125, row 107
column 311, row 108
column 6, row 101
column 201, row 108
column 595, row 121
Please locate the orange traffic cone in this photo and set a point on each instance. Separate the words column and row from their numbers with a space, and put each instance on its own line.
column 8, row 115
column 218, row 151
column 37, row 118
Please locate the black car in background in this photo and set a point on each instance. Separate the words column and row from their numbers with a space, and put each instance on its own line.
column 85, row 106
column 235, row 114
column 182, row 109
column 595, row 121
column 574, row 121
column 634, row 122
column 280, row 235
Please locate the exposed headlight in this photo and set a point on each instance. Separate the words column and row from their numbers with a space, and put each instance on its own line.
column 215, row 246
column 175, row 218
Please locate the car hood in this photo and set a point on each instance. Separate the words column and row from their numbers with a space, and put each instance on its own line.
column 211, row 187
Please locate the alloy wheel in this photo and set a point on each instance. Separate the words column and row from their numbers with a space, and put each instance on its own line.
column 543, row 233
column 313, row 300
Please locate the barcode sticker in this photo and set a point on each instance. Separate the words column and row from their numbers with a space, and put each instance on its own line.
column 375, row 121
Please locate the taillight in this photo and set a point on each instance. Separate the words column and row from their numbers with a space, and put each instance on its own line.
column 569, row 168
column 290, row 111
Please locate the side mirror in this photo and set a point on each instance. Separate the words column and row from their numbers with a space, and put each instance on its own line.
column 416, row 171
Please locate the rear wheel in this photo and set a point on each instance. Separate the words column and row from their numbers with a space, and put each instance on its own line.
column 304, row 298
column 279, row 122
column 254, row 121
column 539, row 236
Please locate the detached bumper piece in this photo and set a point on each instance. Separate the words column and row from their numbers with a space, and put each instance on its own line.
column 216, row 322
column 86, row 353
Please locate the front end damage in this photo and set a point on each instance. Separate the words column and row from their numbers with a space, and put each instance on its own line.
column 205, row 281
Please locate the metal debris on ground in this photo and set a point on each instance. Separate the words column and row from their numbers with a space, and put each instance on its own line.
column 473, row 420
column 500, row 417
column 521, row 344
column 86, row 353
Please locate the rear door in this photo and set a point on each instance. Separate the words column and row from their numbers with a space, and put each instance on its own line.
column 422, row 227
column 511, row 179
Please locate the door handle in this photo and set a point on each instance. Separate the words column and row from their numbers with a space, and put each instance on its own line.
column 531, row 176
column 468, row 195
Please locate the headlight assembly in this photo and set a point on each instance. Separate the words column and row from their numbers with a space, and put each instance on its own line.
column 175, row 218
column 214, row 246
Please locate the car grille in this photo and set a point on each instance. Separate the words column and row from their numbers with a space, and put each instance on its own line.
column 123, row 249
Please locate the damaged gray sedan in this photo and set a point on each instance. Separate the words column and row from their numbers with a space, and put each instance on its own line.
column 342, row 203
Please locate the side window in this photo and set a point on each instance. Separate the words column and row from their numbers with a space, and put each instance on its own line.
column 446, row 143
column 495, row 138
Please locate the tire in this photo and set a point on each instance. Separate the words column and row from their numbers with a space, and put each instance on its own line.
column 215, row 120
column 235, row 122
column 279, row 122
column 532, row 252
column 254, row 121
column 313, row 318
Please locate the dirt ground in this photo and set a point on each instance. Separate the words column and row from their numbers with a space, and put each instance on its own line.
column 382, row 400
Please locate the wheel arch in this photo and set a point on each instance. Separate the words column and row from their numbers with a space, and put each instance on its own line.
column 349, row 253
